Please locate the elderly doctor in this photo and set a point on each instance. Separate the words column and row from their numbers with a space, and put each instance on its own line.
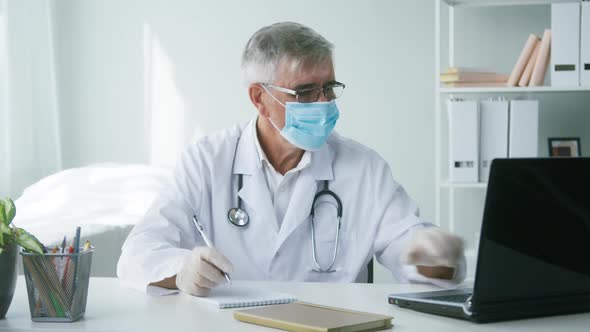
column 313, row 205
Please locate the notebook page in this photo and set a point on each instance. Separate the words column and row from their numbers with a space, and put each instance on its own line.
column 232, row 296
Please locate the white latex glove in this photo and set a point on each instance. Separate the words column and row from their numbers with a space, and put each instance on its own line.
column 202, row 270
column 433, row 247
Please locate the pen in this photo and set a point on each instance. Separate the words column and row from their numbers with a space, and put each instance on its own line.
column 77, row 240
column 207, row 242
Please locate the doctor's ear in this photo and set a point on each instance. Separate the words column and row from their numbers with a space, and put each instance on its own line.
column 257, row 97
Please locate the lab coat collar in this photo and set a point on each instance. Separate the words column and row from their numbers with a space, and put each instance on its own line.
column 321, row 163
column 303, row 163
column 247, row 158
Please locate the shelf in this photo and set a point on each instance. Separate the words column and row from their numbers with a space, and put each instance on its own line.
column 489, row 3
column 447, row 193
column 509, row 89
column 447, row 184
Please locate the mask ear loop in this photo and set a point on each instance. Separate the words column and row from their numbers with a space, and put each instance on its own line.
column 278, row 101
column 273, row 97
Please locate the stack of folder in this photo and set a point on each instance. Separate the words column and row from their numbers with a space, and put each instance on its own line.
column 483, row 130
column 471, row 77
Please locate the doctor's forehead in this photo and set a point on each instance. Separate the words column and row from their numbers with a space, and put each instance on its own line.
column 297, row 75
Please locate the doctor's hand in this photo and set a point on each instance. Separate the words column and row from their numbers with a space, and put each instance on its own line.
column 435, row 253
column 202, row 270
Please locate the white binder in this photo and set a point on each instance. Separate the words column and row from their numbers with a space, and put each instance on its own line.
column 494, row 134
column 585, row 45
column 523, row 129
column 463, row 140
column 565, row 46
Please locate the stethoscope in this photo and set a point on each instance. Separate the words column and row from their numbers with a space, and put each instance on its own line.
column 238, row 217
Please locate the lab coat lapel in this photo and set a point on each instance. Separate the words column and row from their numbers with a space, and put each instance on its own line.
column 246, row 158
column 299, row 206
column 255, row 196
column 305, row 189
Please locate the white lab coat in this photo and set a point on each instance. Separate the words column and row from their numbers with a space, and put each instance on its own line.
column 378, row 216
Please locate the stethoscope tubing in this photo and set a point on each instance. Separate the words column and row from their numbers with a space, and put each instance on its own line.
column 240, row 218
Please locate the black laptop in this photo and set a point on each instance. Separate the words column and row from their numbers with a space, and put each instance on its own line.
column 534, row 250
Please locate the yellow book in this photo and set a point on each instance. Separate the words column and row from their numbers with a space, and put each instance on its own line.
column 455, row 70
column 307, row 317
column 474, row 84
column 473, row 77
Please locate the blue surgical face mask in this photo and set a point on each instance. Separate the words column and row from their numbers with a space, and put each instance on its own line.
column 308, row 125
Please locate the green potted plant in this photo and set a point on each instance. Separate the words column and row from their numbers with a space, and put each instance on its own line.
column 10, row 238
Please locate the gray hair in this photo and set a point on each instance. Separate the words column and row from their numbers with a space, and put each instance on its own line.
column 284, row 41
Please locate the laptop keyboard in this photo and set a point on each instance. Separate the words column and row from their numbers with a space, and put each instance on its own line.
column 457, row 298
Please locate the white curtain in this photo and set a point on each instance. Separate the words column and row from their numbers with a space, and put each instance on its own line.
column 29, row 119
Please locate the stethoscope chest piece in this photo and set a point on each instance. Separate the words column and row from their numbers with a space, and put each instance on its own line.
column 238, row 217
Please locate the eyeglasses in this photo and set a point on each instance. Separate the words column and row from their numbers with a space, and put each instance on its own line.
column 331, row 91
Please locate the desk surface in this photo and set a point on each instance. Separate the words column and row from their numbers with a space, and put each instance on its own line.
column 113, row 307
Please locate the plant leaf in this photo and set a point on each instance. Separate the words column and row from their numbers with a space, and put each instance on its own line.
column 2, row 213
column 10, row 210
column 29, row 242
column 5, row 231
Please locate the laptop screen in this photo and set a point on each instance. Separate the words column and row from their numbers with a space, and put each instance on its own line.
column 535, row 238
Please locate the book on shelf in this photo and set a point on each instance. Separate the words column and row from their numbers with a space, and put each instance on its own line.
column 525, row 78
column 454, row 70
column 529, row 69
column 473, row 77
column 474, row 84
column 538, row 74
column 523, row 59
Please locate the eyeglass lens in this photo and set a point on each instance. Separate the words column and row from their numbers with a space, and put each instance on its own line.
column 312, row 95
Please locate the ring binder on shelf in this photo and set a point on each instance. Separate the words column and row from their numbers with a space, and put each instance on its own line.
column 523, row 129
column 585, row 45
column 463, row 140
column 565, row 49
column 494, row 134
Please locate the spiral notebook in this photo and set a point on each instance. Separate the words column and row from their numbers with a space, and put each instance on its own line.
column 231, row 296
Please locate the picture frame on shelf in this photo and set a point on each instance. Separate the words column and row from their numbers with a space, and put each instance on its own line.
column 564, row 147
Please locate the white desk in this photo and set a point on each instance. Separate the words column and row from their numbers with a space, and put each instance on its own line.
column 112, row 307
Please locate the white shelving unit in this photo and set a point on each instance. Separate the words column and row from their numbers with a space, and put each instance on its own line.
column 442, row 185
column 447, row 184
column 512, row 89
column 473, row 3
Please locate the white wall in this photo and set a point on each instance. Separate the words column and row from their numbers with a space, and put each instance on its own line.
column 139, row 79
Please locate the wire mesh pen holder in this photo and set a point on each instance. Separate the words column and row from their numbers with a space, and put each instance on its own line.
column 57, row 285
